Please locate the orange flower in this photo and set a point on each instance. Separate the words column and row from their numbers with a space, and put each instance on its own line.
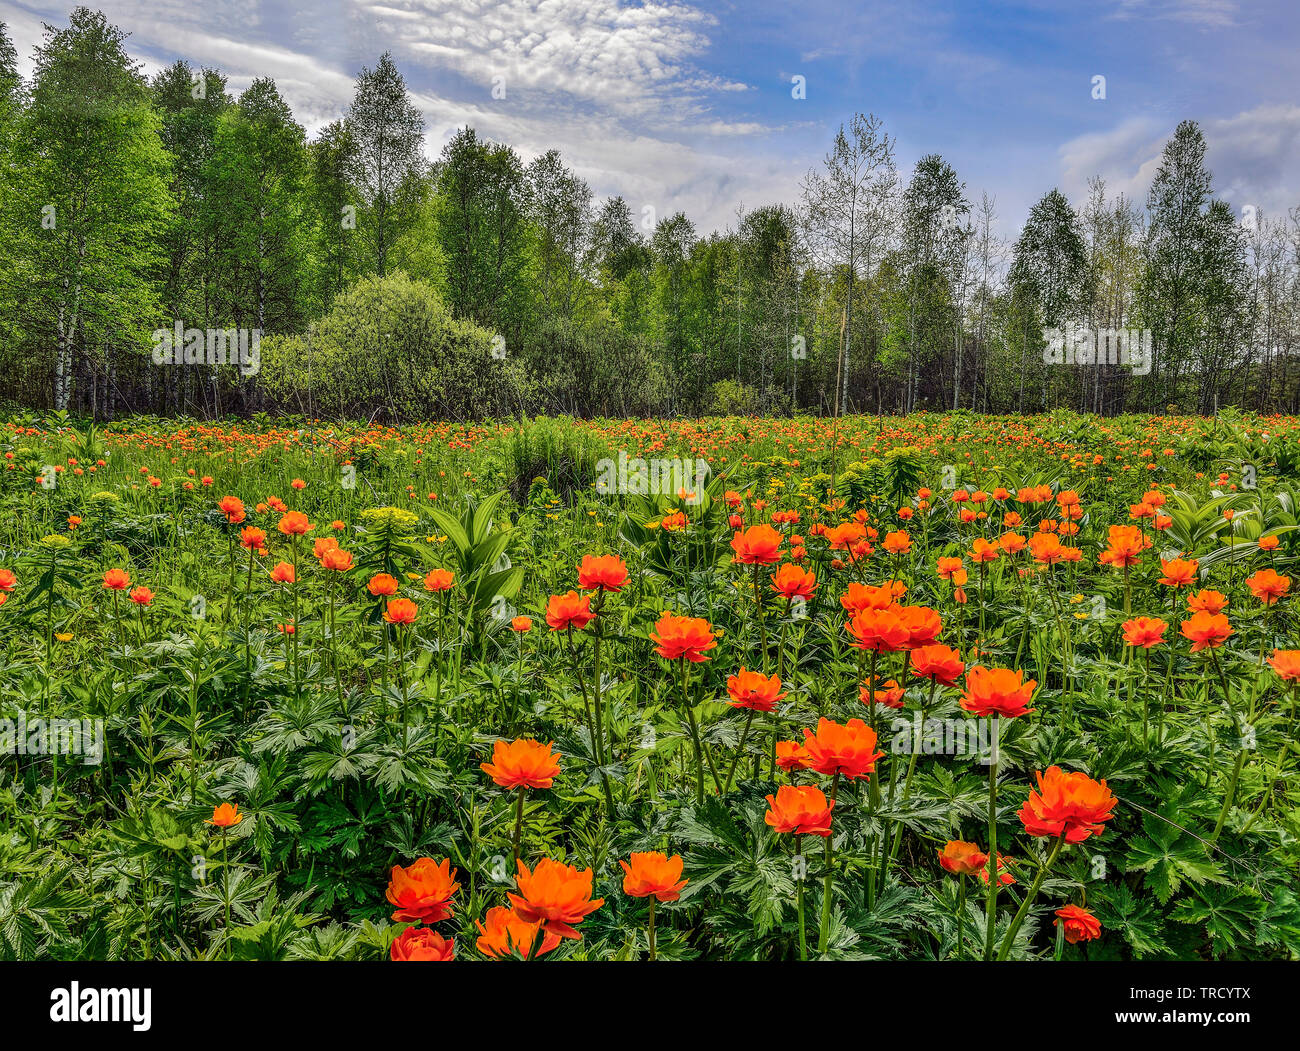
column 401, row 611
column 1208, row 601
column 7, row 580
column 382, row 584
column 568, row 610
column 1206, row 630
column 849, row 749
column 946, row 567
column 1145, row 632
column 962, row 858
column 890, row 697
column 1268, row 543
column 521, row 624
column 790, row 755
column 555, row 895
column 522, row 764
column 422, row 943
column 141, row 596
column 858, row 597
column 686, row 637
column 608, row 572
column 337, row 559
column 1178, row 572
column 897, row 543
column 1126, row 544
column 653, row 873
column 439, row 580
column 225, row 815
column 997, row 691
column 294, row 523
column 982, row 551
column 507, row 935
column 252, row 538
column 323, row 544
column 1287, row 664
column 1011, row 543
column 1046, row 548
column 423, row 891
column 283, row 572
column 801, row 809
column 1080, row 924
column 117, row 580
column 758, row 545
column 1073, row 805
column 751, row 689
column 879, row 630
column 233, row 508
column 792, row 582
column 1268, row 586
column 938, row 663
column 922, row 623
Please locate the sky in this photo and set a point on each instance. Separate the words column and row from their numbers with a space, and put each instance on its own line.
column 689, row 105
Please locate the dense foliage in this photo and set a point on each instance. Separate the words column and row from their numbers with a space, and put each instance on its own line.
column 129, row 205
column 318, row 654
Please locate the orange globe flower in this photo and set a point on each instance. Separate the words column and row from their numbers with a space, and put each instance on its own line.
column 323, row 544
column 922, row 623
column 401, row 611
column 117, row 580
column 252, row 538
column 997, row 691
column 983, row 551
column 506, row 935
column 790, row 755
column 1206, row 630
column 938, row 663
column 1207, row 601
column 607, row 572
column 801, row 809
column 294, row 523
column 336, row 559
column 382, row 584
column 439, row 580
column 225, row 815
column 522, row 764
column 422, row 892
column 689, row 638
column 1268, row 586
column 1145, row 632
column 521, row 624
column 1287, row 664
column 653, row 874
column 858, row 597
column 1068, row 804
column 879, row 630
column 897, row 542
column 555, row 895
column 792, row 582
column 233, row 508
column 422, row 943
column 754, row 690
column 1080, row 924
column 1046, row 548
column 283, row 573
column 1178, row 572
column 849, row 749
column 1268, row 543
column 889, row 697
column 758, row 545
column 7, row 580
column 569, row 610
column 141, row 596
column 962, row 858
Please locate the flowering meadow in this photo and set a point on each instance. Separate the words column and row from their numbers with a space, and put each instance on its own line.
column 942, row 687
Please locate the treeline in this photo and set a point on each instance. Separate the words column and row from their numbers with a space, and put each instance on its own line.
column 386, row 285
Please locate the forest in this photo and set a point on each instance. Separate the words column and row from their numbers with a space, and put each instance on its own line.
column 375, row 281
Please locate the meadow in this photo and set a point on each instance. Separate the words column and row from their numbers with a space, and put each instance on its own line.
column 289, row 689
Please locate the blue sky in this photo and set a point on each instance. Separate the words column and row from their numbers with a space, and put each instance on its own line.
column 687, row 105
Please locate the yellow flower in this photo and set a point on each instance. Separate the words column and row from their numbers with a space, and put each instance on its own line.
column 63, row 636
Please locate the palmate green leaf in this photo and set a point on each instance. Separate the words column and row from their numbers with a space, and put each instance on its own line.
column 1228, row 913
column 1279, row 924
column 1134, row 917
column 1169, row 856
